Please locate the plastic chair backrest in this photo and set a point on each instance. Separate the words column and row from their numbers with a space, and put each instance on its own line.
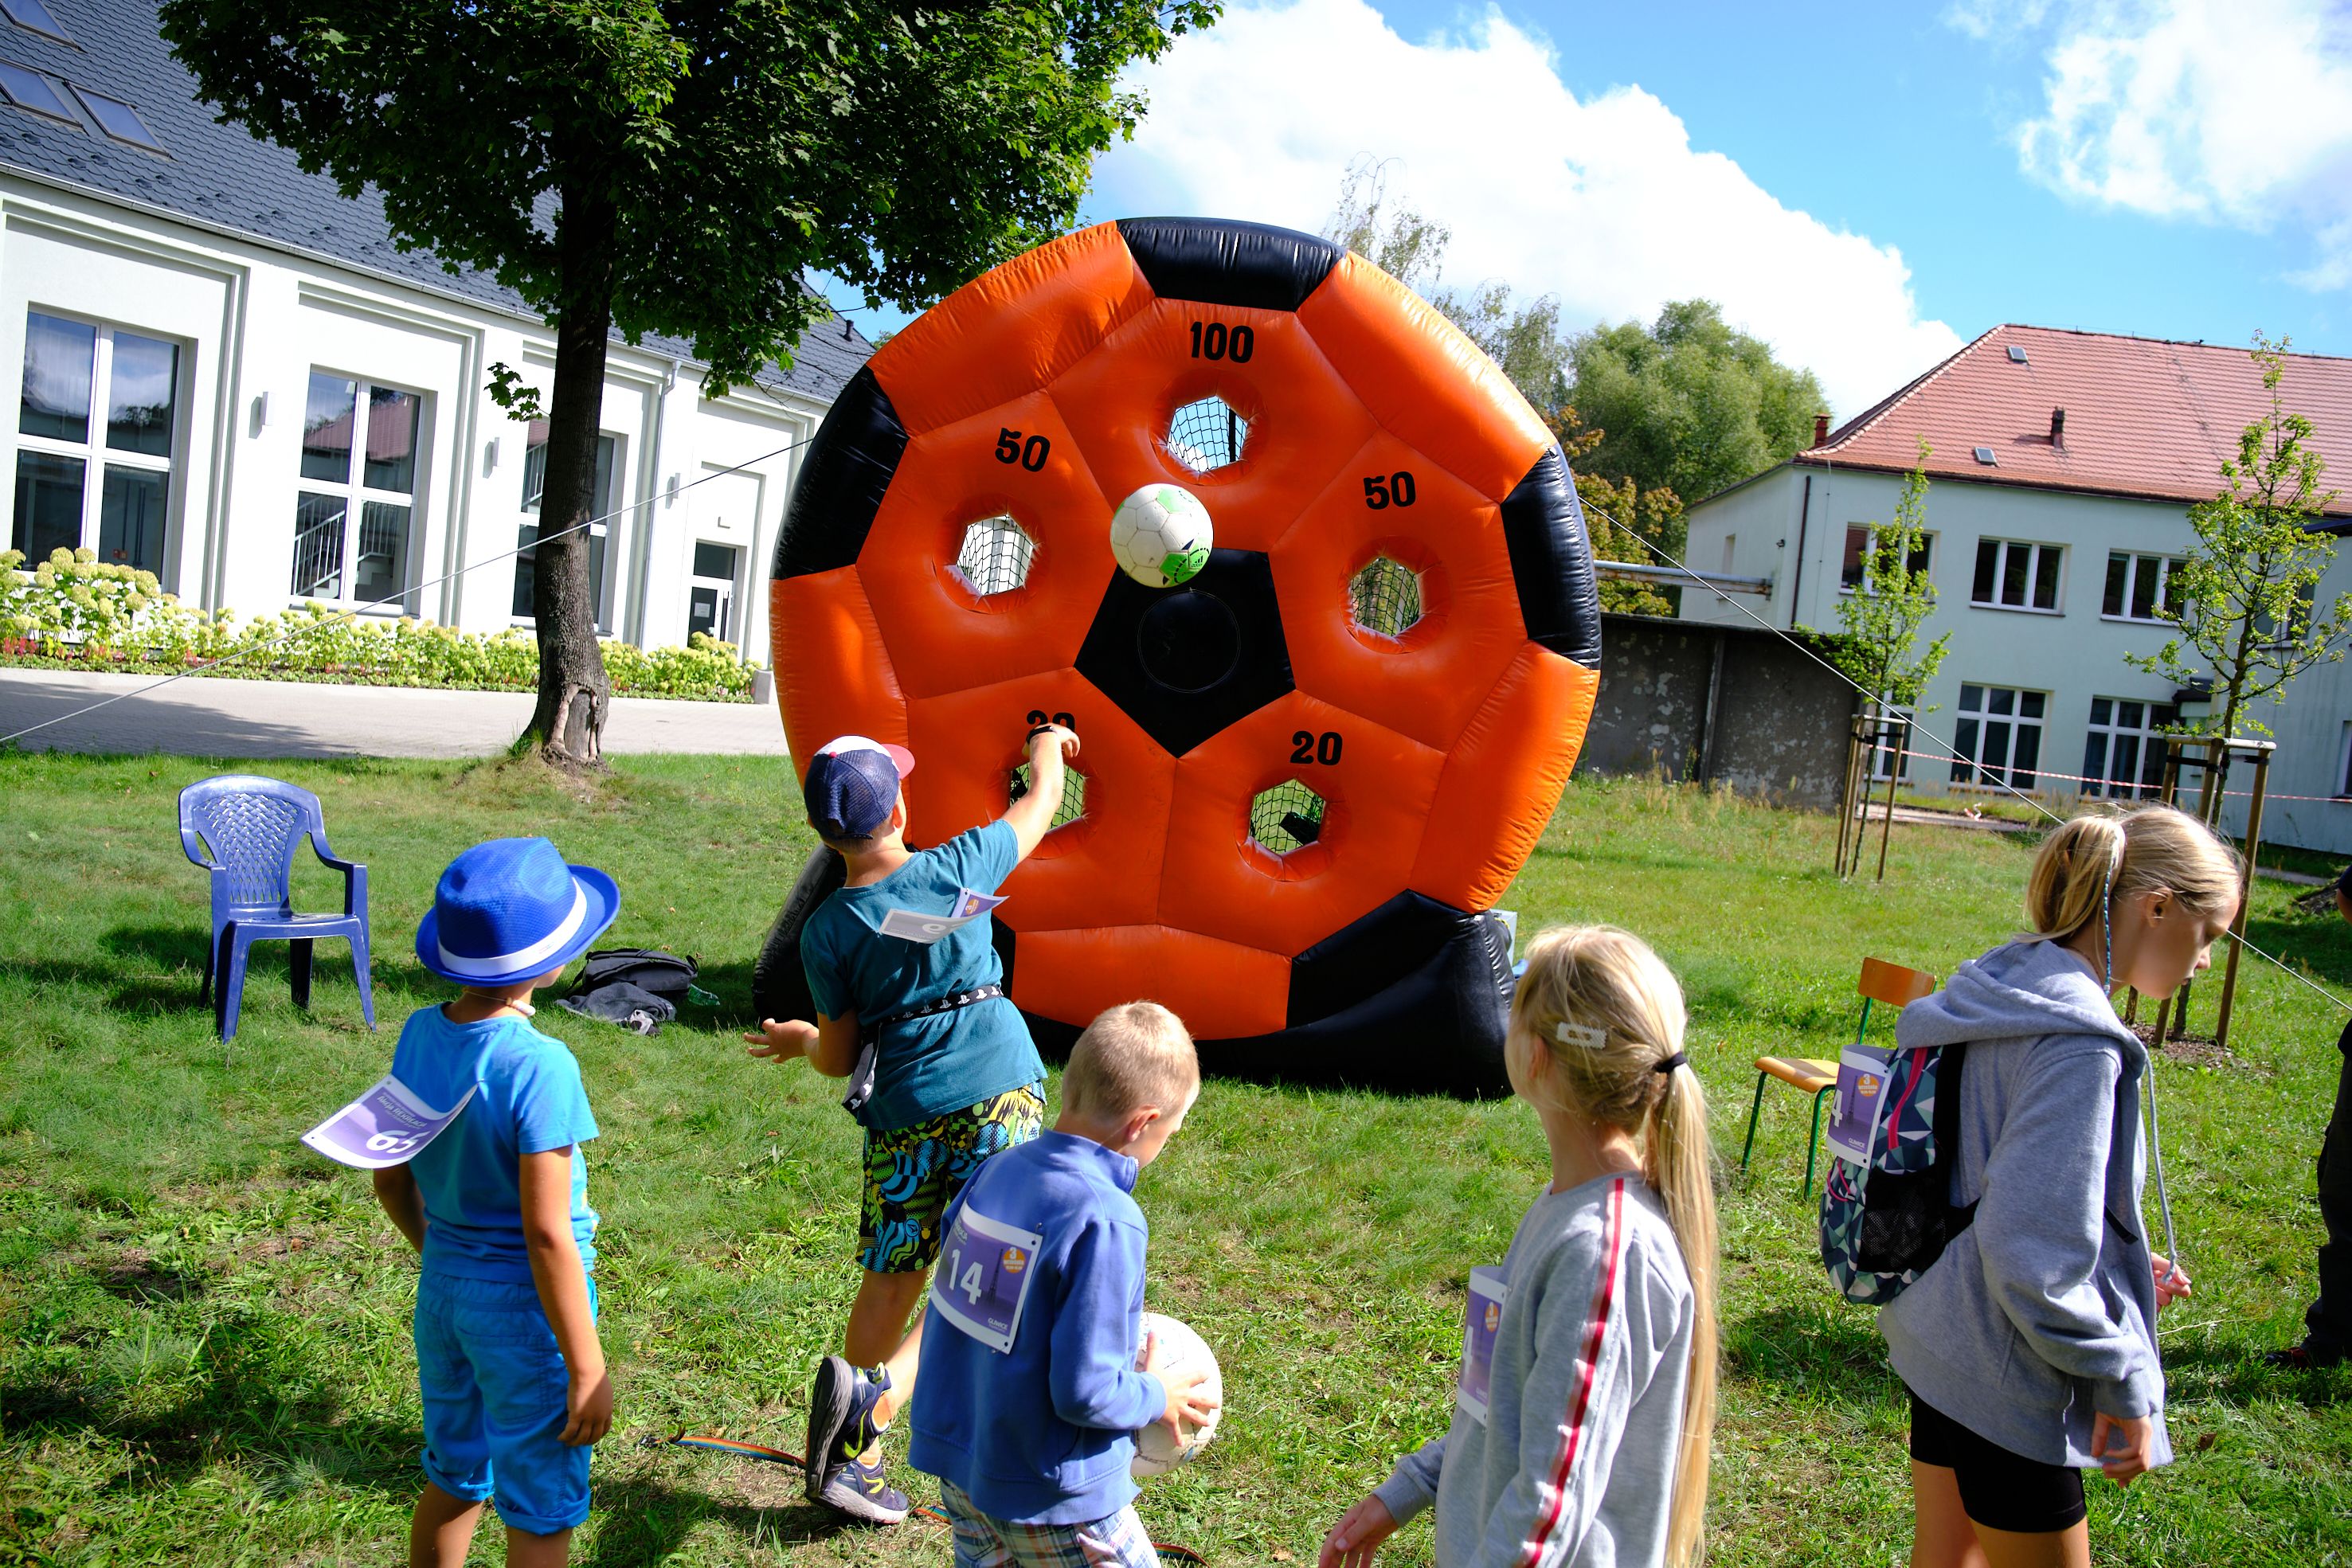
column 1892, row 984
column 253, row 826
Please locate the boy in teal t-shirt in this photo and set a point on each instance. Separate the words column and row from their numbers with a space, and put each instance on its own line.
column 510, row 1369
column 954, row 1076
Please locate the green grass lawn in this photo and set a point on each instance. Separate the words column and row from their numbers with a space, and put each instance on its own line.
column 204, row 1352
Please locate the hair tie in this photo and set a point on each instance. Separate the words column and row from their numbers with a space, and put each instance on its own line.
column 1678, row 1058
column 1037, row 730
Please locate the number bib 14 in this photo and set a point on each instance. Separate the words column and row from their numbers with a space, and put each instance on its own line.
column 1482, row 1322
column 384, row 1127
column 985, row 1267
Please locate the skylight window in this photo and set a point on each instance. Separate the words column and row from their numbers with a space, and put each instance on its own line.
column 31, row 89
column 33, row 14
column 2016, row 354
column 118, row 118
column 1985, row 456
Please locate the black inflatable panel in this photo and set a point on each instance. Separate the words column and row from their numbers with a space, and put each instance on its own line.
column 1219, row 262
column 1560, row 597
column 1438, row 1030
column 779, row 985
column 1361, row 957
column 1123, row 657
column 849, row 464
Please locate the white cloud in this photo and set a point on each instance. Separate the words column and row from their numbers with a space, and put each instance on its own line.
column 1603, row 202
column 2236, row 113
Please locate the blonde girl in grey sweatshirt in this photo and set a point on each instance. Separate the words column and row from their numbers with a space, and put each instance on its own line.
column 2030, row 1347
column 1582, row 1438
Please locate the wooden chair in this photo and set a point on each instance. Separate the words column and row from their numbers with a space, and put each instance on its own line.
column 1880, row 982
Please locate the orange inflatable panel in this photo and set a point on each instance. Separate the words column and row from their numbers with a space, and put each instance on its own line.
column 1309, row 767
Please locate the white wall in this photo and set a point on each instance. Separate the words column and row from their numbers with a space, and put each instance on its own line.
column 2073, row 655
column 253, row 322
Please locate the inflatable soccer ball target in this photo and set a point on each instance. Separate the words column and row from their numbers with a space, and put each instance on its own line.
column 1307, row 770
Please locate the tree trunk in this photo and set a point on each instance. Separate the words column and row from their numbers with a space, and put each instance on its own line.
column 575, row 695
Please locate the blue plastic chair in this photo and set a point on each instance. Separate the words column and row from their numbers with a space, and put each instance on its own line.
column 252, row 827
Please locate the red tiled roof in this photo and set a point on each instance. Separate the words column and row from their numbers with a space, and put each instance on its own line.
column 2145, row 417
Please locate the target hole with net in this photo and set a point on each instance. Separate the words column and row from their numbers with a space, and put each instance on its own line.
column 1384, row 597
column 1207, row 436
column 1074, row 794
column 1287, row 817
column 995, row 556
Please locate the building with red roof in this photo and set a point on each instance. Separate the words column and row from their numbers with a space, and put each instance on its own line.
column 2061, row 467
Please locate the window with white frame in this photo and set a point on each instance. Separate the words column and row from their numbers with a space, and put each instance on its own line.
column 2012, row 576
column 1857, row 544
column 86, row 481
column 600, row 527
column 2136, row 584
column 1998, row 735
column 355, row 514
column 2123, row 754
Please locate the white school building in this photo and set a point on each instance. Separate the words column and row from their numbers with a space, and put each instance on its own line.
column 230, row 377
column 2065, row 463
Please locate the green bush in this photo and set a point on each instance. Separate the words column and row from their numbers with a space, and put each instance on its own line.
column 75, row 608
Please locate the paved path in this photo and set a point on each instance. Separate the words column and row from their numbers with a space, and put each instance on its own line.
column 211, row 718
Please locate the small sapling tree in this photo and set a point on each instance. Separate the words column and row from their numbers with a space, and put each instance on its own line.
column 2245, row 599
column 660, row 166
column 1882, row 618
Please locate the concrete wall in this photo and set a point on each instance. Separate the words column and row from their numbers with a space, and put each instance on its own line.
column 252, row 323
column 1717, row 704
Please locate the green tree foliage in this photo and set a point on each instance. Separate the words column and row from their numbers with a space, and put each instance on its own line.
column 2245, row 604
column 1624, row 522
column 1522, row 339
column 1689, row 404
column 1882, row 618
column 672, row 166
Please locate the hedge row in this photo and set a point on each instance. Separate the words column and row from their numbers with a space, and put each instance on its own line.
column 73, row 609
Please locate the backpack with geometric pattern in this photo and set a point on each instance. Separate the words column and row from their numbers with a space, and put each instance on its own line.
column 1887, row 1218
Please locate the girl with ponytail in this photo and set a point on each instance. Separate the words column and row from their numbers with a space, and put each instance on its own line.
column 1580, row 1434
column 2028, row 1347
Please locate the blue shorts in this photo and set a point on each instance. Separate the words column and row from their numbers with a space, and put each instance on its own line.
column 495, row 1402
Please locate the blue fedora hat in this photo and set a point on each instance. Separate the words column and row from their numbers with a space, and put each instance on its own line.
column 508, row 910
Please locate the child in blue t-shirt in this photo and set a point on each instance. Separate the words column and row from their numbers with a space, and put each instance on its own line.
column 943, row 1072
column 513, row 1377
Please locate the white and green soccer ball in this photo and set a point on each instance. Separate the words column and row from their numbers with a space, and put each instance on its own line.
column 1161, row 535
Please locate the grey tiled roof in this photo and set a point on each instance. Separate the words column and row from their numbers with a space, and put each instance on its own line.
column 220, row 176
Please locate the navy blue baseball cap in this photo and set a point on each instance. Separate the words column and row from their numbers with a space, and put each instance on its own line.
column 852, row 784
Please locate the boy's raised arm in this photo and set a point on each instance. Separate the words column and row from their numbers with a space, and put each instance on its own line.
column 1032, row 814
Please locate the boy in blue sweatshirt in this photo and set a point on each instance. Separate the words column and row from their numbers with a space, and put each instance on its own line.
column 1030, row 1395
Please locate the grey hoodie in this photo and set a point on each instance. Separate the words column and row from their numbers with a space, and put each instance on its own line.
column 1574, row 1462
column 2043, row 1310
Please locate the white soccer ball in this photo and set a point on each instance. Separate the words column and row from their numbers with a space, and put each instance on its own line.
column 1180, row 1348
column 1161, row 535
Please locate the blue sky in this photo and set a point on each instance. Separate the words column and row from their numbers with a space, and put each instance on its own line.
column 1867, row 186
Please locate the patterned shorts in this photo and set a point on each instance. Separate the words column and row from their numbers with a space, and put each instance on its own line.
column 981, row 1542
column 912, row 1174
